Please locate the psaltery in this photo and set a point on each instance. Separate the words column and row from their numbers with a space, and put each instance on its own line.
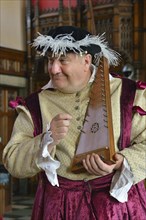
column 97, row 133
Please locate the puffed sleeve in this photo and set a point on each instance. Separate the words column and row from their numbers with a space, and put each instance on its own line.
column 19, row 155
column 136, row 152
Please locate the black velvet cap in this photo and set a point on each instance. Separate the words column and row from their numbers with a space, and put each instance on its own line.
column 77, row 34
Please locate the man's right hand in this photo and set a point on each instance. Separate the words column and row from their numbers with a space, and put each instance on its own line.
column 59, row 126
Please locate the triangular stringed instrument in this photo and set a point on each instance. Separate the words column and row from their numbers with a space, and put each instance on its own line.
column 97, row 133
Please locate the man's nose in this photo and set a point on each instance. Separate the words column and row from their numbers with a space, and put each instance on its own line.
column 55, row 67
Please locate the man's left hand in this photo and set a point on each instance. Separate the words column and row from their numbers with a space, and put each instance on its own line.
column 96, row 166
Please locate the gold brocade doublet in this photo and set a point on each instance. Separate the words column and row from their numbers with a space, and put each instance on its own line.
column 55, row 102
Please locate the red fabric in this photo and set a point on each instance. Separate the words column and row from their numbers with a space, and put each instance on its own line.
column 77, row 200
column 139, row 110
column 44, row 4
column 126, row 102
column 19, row 101
column 141, row 85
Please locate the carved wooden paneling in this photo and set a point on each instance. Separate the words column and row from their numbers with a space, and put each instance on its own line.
column 7, row 115
column 124, row 22
column 126, row 40
column 7, row 118
column 139, row 35
column 12, row 62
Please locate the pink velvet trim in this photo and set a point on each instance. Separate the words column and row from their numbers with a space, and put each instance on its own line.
column 18, row 101
column 116, row 75
column 139, row 110
column 141, row 85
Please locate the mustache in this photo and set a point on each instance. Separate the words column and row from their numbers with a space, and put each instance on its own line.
column 57, row 75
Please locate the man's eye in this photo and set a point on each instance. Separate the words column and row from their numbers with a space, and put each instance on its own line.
column 63, row 60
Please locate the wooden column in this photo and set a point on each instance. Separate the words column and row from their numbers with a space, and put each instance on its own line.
column 60, row 12
column 28, row 42
column 139, row 36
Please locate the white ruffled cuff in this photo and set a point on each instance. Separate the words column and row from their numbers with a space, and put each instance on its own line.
column 121, row 183
column 45, row 161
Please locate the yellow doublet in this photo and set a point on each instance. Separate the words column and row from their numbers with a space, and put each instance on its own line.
column 52, row 103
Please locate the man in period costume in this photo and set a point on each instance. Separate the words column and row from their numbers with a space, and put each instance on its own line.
column 48, row 127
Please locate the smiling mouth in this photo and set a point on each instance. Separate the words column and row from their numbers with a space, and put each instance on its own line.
column 59, row 76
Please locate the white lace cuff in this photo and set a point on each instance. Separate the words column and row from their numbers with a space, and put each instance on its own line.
column 45, row 161
column 121, row 183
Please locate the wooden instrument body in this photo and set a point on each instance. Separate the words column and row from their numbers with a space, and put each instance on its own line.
column 97, row 133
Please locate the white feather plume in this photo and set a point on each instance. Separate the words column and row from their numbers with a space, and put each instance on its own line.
column 64, row 42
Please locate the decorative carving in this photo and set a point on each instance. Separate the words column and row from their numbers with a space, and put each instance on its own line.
column 105, row 25
column 106, row 2
column 12, row 62
column 126, row 41
column 95, row 127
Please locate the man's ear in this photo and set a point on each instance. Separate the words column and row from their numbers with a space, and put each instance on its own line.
column 88, row 60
